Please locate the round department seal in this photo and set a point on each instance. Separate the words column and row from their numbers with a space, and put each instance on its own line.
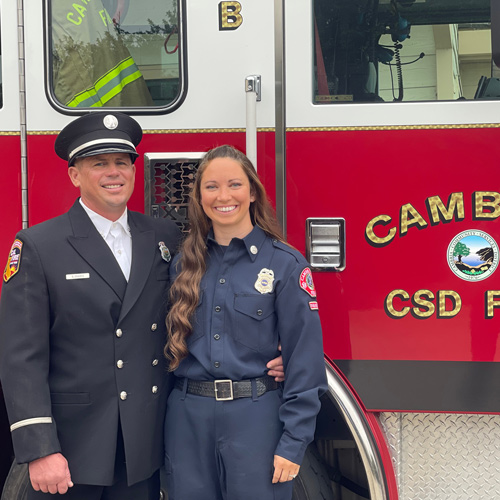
column 473, row 255
column 110, row 122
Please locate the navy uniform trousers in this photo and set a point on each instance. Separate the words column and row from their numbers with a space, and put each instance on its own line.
column 218, row 438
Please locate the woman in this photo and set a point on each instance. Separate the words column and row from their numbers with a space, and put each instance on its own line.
column 239, row 292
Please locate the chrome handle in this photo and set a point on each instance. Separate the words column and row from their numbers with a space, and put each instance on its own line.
column 325, row 243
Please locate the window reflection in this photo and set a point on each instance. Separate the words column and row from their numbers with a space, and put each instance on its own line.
column 401, row 50
column 119, row 53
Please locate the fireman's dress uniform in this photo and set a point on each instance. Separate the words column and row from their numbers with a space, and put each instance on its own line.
column 255, row 293
column 91, row 65
column 81, row 349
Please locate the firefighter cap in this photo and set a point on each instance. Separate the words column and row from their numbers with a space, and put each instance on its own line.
column 98, row 133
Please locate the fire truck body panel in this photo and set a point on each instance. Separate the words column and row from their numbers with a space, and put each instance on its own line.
column 384, row 170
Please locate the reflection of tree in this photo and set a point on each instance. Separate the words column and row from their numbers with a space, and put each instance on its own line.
column 167, row 25
column 485, row 254
column 88, row 52
column 460, row 251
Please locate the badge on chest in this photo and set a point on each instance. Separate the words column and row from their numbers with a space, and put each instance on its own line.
column 265, row 280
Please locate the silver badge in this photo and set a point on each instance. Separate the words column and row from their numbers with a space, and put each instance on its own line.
column 265, row 279
column 254, row 249
column 110, row 122
column 165, row 252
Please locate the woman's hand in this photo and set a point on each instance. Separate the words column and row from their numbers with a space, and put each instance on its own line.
column 284, row 470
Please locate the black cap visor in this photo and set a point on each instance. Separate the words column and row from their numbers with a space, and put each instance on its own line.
column 102, row 149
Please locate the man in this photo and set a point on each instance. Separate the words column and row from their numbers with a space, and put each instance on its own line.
column 82, row 328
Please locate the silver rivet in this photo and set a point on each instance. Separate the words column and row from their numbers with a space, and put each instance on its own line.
column 155, row 362
column 123, row 395
column 154, row 326
column 119, row 332
column 119, row 363
column 154, row 389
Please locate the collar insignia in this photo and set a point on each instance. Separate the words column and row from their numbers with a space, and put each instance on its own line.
column 165, row 252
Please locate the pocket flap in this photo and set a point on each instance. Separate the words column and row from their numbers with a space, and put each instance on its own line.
column 258, row 307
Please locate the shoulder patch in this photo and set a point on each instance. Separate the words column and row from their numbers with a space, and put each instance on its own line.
column 13, row 261
column 306, row 282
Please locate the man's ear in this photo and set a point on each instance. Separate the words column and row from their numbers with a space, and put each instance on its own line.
column 74, row 175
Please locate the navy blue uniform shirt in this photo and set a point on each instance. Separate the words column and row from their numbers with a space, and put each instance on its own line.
column 256, row 293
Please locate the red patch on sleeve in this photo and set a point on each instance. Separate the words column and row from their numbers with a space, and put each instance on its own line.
column 306, row 282
column 14, row 260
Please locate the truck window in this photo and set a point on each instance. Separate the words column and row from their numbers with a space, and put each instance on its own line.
column 403, row 50
column 114, row 53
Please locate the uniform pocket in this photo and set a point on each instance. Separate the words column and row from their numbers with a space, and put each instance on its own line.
column 255, row 320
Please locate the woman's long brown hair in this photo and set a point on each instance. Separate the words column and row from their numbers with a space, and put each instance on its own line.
column 185, row 291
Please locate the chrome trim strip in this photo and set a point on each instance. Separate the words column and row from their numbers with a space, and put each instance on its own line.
column 280, row 111
column 22, row 101
column 361, row 432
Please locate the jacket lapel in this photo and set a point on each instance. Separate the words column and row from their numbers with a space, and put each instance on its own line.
column 90, row 245
column 143, row 256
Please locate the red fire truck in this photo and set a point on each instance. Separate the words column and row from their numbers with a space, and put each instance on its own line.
column 374, row 126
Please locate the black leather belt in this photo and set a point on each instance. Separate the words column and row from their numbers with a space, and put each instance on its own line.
column 227, row 390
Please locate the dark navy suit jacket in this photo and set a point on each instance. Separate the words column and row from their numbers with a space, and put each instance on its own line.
column 81, row 351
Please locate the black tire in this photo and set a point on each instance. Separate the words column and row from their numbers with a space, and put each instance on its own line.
column 17, row 482
column 312, row 483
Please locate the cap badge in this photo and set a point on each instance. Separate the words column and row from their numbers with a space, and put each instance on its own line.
column 306, row 282
column 165, row 252
column 110, row 122
column 13, row 261
column 265, row 280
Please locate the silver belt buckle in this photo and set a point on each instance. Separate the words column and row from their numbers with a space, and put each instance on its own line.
column 225, row 387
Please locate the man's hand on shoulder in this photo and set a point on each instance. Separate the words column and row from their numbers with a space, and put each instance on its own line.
column 50, row 474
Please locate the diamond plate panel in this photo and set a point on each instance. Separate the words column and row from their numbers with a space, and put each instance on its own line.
column 440, row 456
